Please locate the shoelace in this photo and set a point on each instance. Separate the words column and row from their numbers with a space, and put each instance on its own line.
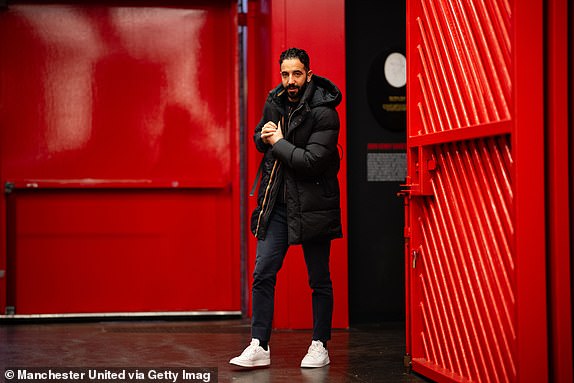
column 251, row 350
column 316, row 350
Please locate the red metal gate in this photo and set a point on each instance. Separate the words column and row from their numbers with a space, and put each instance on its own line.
column 474, row 200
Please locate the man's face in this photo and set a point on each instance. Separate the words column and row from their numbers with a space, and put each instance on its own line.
column 294, row 77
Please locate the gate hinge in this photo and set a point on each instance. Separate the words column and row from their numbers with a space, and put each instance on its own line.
column 407, row 362
column 422, row 172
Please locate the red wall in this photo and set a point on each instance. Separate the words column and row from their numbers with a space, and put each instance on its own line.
column 319, row 28
column 121, row 151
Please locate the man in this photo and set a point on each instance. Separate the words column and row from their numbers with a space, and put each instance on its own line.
column 298, row 200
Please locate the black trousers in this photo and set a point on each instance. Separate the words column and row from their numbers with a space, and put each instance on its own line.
column 268, row 261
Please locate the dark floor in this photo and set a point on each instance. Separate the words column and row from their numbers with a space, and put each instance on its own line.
column 372, row 353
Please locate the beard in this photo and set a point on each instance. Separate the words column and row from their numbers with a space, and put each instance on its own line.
column 294, row 92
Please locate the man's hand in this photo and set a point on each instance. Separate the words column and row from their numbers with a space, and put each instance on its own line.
column 271, row 133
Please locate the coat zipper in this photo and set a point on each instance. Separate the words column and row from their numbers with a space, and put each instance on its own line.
column 265, row 197
column 268, row 187
column 292, row 113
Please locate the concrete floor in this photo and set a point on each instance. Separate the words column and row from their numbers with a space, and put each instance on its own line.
column 372, row 353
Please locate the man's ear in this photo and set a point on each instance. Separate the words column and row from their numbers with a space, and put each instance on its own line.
column 309, row 75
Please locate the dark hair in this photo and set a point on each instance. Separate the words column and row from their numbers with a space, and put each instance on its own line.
column 296, row 53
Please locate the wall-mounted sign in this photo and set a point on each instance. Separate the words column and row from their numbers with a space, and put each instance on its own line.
column 395, row 69
column 386, row 89
column 386, row 162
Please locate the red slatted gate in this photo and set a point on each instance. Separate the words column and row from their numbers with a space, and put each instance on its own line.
column 466, row 193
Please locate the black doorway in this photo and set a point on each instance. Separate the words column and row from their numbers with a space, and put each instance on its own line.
column 376, row 136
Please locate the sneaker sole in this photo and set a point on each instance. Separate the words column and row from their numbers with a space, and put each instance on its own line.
column 308, row 365
column 260, row 363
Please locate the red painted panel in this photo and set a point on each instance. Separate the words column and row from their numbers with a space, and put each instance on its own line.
column 529, row 188
column 260, row 80
column 289, row 23
column 121, row 124
column 559, row 173
column 121, row 251
column 3, row 263
column 117, row 93
column 326, row 48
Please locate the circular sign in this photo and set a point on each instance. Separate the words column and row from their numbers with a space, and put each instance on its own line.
column 386, row 90
column 395, row 70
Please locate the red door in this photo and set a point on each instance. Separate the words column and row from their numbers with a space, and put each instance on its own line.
column 119, row 156
column 475, row 200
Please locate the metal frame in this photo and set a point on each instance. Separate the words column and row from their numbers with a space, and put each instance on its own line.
column 124, row 314
column 559, row 200
column 528, row 185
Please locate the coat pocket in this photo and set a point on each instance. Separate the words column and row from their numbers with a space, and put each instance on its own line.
column 325, row 224
column 319, row 194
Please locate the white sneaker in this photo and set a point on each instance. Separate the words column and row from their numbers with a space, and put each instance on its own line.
column 317, row 356
column 253, row 356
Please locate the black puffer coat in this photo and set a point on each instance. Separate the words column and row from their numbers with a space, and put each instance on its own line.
column 307, row 161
